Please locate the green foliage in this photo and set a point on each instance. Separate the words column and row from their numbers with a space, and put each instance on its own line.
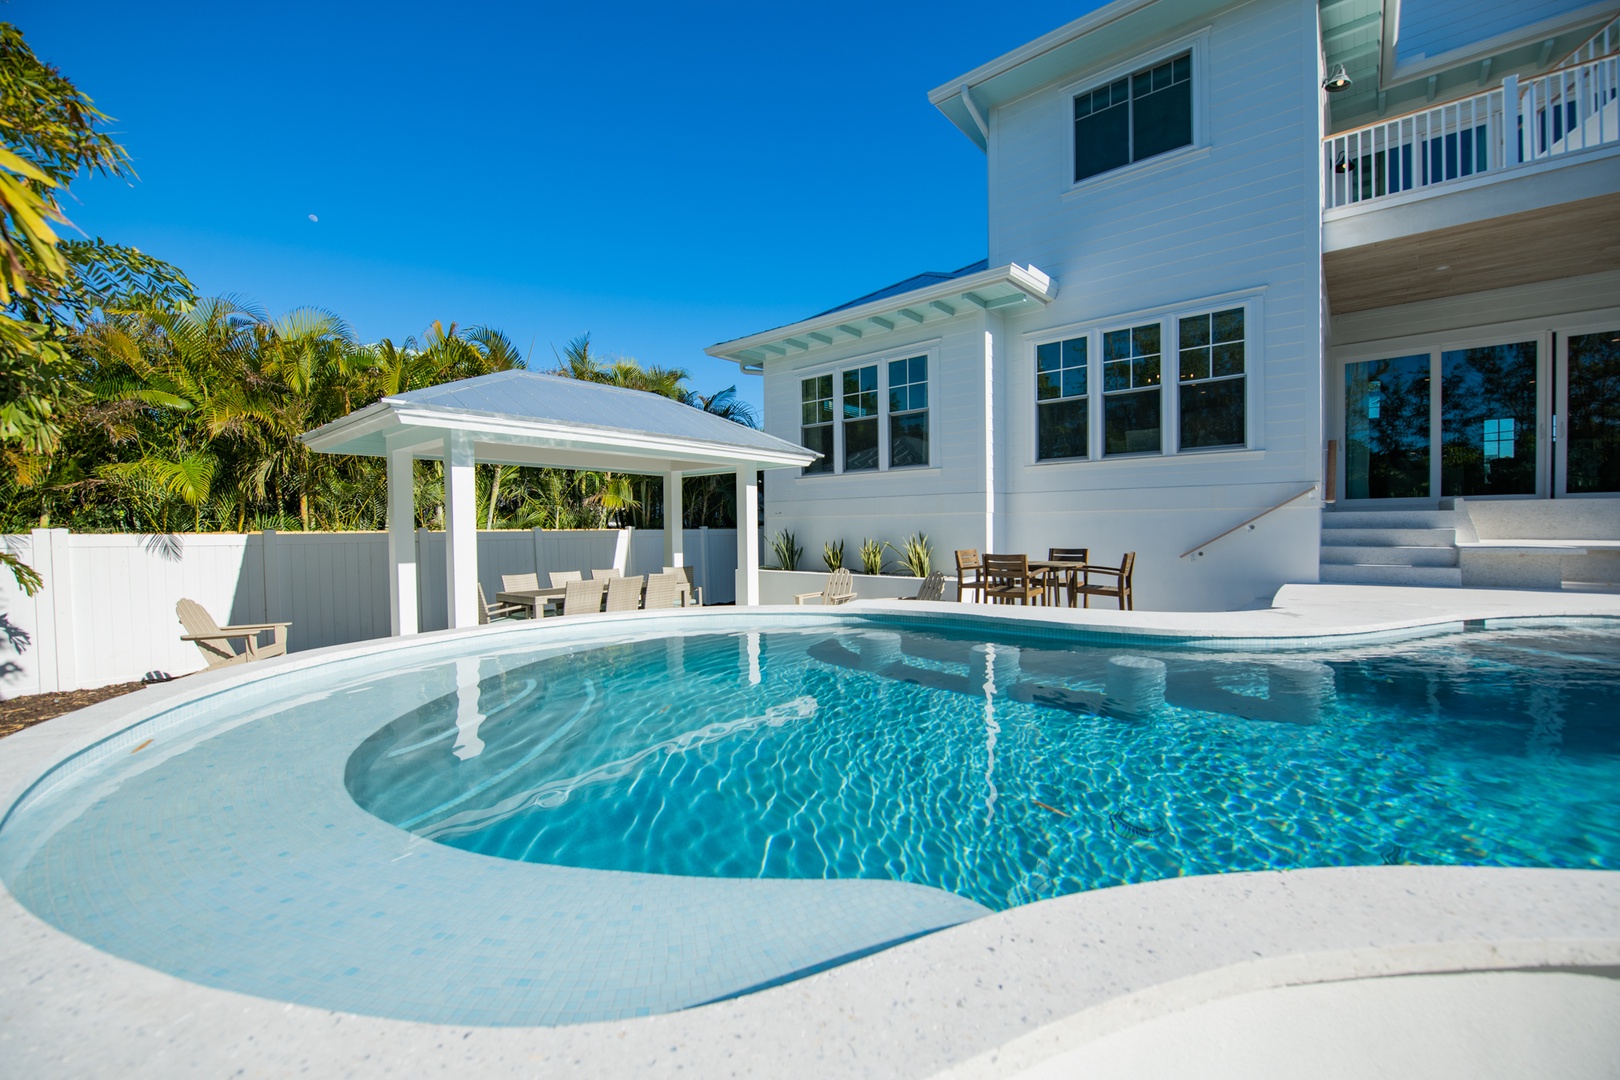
column 916, row 555
column 787, row 551
column 872, row 556
column 832, row 553
column 28, row 578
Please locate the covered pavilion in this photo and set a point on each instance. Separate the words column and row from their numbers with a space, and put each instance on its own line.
column 525, row 418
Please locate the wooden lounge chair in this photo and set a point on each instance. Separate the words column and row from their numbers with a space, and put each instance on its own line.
column 1007, row 578
column 518, row 582
column 624, row 593
column 662, row 590
column 1058, row 581
column 969, row 575
column 583, row 597
column 1119, row 587
column 559, row 578
column 214, row 640
column 840, row 589
column 933, row 587
column 691, row 582
column 488, row 612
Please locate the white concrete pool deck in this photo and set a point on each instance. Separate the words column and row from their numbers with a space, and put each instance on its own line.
column 1021, row 990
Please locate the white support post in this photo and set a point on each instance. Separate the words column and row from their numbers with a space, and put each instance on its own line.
column 674, row 535
column 460, row 531
column 1510, row 122
column 747, row 537
column 401, row 542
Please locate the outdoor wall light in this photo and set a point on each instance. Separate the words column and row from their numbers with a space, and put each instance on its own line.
column 1343, row 165
column 1337, row 81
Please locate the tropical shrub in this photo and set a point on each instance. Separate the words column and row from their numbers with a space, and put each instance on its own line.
column 872, row 556
column 916, row 555
column 787, row 551
column 833, row 554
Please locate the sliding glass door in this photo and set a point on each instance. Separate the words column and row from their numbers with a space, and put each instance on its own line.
column 1588, row 378
column 1387, row 426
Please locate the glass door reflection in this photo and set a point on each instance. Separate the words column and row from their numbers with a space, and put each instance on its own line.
column 1590, row 455
column 1488, row 399
column 1386, row 428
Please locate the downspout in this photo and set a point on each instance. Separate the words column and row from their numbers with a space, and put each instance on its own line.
column 973, row 112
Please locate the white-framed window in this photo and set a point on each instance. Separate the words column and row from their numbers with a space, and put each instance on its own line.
column 1134, row 117
column 1062, row 405
column 816, row 420
column 1178, row 379
column 1133, row 397
column 869, row 413
column 1212, row 391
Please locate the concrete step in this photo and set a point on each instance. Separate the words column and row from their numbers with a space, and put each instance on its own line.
column 1435, row 576
column 1391, row 555
column 1389, row 519
column 1391, row 536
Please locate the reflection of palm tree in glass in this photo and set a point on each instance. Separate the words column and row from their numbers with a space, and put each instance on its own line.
column 1488, row 420
column 1387, row 428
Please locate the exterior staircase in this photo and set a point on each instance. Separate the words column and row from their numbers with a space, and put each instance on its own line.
column 1392, row 547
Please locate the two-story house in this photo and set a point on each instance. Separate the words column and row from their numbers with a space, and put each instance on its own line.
column 1246, row 261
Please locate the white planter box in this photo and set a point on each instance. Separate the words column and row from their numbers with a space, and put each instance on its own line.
column 780, row 586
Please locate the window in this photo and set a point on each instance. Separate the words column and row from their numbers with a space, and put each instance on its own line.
column 908, row 412
column 1060, row 400
column 1131, row 395
column 815, row 420
column 1211, row 392
column 860, row 419
column 1134, row 118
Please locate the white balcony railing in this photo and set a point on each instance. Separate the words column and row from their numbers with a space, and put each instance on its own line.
column 1567, row 110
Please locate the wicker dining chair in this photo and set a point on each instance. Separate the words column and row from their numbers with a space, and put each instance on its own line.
column 560, row 578
column 488, row 612
column 1007, row 578
column 688, row 575
column 607, row 574
column 583, row 597
column 624, row 593
column 969, row 575
column 1120, row 586
column 662, row 591
column 519, row 582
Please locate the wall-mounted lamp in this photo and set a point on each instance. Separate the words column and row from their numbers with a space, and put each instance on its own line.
column 1343, row 166
column 1337, row 81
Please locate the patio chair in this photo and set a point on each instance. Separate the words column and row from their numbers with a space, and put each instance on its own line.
column 933, row 587
column 516, row 582
column 691, row 582
column 559, row 578
column 969, row 575
column 214, row 641
column 1058, row 579
column 583, row 597
column 606, row 575
column 662, row 589
column 624, row 593
column 488, row 612
column 840, row 589
column 1007, row 578
column 1120, row 586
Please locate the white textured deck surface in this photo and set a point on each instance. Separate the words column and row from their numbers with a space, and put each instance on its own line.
column 992, row 997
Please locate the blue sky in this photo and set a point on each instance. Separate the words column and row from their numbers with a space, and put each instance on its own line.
column 663, row 176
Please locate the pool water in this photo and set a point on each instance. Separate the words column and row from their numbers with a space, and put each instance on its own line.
column 1003, row 772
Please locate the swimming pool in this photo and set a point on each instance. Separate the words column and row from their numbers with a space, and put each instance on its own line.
column 691, row 816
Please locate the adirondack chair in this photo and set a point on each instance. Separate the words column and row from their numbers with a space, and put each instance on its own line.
column 840, row 589
column 933, row 588
column 214, row 640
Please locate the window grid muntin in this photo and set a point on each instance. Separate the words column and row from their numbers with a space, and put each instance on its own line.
column 1062, row 412
column 1132, row 361
column 815, row 420
column 860, row 419
column 908, row 412
column 1125, row 92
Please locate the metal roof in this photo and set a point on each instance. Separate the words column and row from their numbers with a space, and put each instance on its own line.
column 910, row 284
column 526, row 418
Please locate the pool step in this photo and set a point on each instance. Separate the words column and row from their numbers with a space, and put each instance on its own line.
column 1390, row 547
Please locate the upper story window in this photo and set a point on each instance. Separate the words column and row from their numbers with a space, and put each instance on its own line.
column 908, row 412
column 1134, row 118
column 815, row 421
column 1211, row 391
column 861, row 418
column 1061, row 403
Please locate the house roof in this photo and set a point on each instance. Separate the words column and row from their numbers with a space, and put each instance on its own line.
column 526, row 418
column 924, row 298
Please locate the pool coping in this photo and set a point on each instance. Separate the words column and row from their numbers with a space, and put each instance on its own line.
column 985, row 998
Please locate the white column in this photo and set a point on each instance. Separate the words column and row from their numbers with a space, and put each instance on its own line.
column 747, row 537
column 460, row 531
column 674, row 535
column 401, row 542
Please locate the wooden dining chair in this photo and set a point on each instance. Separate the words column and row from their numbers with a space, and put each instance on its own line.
column 1064, row 581
column 1007, row 578
column 969, row 575
column 1118, row 585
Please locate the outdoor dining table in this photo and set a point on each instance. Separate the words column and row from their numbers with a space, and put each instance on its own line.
column 1070, row 570
column 536, row 600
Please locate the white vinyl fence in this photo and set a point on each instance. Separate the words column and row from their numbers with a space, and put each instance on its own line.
column 106, row 612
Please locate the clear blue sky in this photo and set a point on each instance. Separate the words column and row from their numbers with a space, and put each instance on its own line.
column 664, row 176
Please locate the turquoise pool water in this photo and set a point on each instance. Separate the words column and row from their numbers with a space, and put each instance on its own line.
column 562, row 824
column 1001, row 773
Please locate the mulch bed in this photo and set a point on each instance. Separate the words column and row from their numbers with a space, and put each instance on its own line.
column 22, row 712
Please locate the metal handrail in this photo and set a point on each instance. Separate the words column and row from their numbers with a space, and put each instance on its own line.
column 1199, row 548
